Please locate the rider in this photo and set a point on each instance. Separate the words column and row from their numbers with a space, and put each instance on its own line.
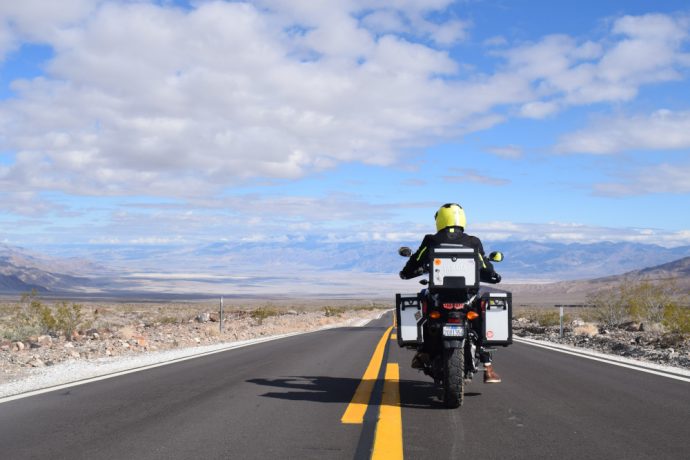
column 450, row 226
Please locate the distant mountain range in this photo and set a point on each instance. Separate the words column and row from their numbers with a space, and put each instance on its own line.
column 22, row 270
column 576, row 291
column 677, row 270
column 84, row 268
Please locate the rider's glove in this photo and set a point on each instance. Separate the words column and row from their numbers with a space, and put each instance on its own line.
column 402, row 275
column 495, row 278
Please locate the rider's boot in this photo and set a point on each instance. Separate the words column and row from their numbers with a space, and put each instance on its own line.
column 420, row 360
column 489, row 375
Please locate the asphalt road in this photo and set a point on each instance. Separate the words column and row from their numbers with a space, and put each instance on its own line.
column 286, row 399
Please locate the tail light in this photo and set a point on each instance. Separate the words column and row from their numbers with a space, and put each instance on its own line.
column 453, row 306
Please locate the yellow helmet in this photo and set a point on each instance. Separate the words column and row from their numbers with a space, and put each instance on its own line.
column 450, row 215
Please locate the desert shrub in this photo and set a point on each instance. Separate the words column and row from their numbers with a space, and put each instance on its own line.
column 552, row 318
column 587, row 329
column 646, row 301
column 333, row 311
column 34, row 317
column 32, row 314
column 643, row 301
column 262, row 313
column 677, row 319
column 68, row 318
column 18, row 332
column 544, row 317
column 168, row 320
column 609, row 307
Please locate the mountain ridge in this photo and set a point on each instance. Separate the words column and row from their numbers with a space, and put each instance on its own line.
column 95, row 267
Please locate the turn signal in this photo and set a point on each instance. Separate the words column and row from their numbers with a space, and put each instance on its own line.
column 434, row 315
column 472, row 315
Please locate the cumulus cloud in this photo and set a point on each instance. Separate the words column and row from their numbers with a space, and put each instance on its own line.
column 641, row 50
column 663, row 178
column 662, row 130
column 141, row 98
column 37, row 20
column 153, row 99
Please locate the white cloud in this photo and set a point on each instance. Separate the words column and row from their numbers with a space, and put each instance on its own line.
column 641, row 50
column 149, row 99
column 564, row 232
column 538, row 109
column 28, row 204
column 119, row 113
column 496, row 41
column 472, row 175
column 662, row 130
column 663, row 178
column 38, row 20
column 506, row 151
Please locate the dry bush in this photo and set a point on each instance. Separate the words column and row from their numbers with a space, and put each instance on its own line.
column 262, row 313
column 587, row 329
column 68, row 318
column 334, row 311
column 654, row 303
column 126, row 332
column 168, row 320
column 610, row 310
column 212, row 330
column 677, row 319
column 646, row 301
column 32, row 317
column 544, row 317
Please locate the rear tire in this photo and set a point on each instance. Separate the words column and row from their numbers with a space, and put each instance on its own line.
column 453, row 381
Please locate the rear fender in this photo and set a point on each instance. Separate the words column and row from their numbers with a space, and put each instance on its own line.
column 453, row 343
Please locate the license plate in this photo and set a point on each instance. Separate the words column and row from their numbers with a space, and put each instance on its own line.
column 453, row 331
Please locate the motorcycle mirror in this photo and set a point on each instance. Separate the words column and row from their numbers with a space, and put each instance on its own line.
column 405, row 251
column 496, row 256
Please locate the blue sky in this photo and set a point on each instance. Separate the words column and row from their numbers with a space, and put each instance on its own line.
column 140, row 122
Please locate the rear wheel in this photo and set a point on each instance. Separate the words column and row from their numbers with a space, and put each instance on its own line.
column 453, row 382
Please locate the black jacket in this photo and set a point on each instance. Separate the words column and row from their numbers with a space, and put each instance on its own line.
column 454, row 235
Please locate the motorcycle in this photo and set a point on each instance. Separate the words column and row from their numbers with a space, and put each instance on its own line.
column 445, row 320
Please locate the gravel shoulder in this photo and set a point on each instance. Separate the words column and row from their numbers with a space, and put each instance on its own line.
column 631, row 341
column 131, row 339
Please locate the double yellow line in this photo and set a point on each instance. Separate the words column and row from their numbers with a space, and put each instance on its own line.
column 388, row 442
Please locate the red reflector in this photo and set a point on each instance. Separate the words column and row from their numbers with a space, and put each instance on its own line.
column 453, row 306
column 453, row 320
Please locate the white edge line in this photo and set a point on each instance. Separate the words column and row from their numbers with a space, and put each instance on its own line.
column 635, row 367
column 172, row 361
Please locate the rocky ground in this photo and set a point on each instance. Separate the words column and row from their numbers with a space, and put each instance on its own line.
column 632, row 340
column 120, row 336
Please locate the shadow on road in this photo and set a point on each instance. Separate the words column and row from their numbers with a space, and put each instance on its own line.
column 413, row 393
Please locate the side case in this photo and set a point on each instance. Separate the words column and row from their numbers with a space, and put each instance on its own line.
column 408, row 317
column 498, row 318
